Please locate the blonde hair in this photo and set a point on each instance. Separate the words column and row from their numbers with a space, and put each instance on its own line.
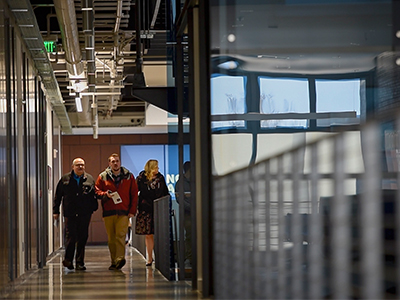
column 150, row 166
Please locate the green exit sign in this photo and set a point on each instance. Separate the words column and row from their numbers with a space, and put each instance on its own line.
column 50, row 46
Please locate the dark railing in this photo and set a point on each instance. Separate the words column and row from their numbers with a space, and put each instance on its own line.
column 163, row 245
column 316, row 222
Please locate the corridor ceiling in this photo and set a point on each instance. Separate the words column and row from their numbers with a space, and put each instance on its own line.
column 93, row 52
column 302, row 36
column 96, row 46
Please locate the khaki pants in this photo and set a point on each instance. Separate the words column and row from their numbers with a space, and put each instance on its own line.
column 116, row 227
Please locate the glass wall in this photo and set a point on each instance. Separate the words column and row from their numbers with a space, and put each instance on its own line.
column 22, row 157
column 284, row 69
column 304, row 96
column 3, row 159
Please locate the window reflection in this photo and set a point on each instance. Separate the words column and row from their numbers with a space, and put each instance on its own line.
column 338, row 96
column 283, row 95
column 228, row 97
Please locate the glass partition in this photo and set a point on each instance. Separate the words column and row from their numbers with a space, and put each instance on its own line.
column 297, row 66
column 312, row 147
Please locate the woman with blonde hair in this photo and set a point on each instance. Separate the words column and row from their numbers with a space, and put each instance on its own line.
column 152, row 185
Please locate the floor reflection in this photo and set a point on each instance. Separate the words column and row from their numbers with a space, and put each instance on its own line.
column 134, row 281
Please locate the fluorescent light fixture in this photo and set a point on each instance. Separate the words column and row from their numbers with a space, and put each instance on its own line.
column 78, row 104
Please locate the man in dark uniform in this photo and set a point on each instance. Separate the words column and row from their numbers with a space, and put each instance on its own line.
column 187, row 222
column 77, row 193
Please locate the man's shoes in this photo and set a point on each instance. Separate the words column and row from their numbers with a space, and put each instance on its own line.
column 120, row 263
column 112, row 267
column 80, row 268
column 68, row 264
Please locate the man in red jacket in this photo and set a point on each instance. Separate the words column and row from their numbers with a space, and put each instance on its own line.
column 118, row 191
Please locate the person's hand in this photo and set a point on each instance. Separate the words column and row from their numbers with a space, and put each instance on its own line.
column 130, row 215
column 109, row 194
column 56, row 216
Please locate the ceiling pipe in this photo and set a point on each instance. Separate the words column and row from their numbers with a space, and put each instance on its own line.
column 156, row 10
column 65, row 10
column 113, row 102
column 66, row 16
column 138, row 79
column 119, row 17
column 138, row 20
column 88, row 29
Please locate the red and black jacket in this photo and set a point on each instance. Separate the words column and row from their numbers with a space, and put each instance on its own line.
column 126, row 188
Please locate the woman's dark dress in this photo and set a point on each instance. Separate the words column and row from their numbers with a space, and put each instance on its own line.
column 148, row 192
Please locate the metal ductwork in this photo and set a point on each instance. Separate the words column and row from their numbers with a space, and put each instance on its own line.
column 66, row 16
column 88, row 29
column 113, row 73
column 65, row 10
column 105, row 45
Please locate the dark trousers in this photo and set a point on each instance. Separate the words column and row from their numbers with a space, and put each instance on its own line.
column 76, row 233
column 187, row 223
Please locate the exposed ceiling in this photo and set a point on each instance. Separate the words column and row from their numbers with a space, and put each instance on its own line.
column 96, row 54
column 97, row 49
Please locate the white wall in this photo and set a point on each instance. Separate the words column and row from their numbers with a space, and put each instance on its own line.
column 230, row 152
column 233, row 152
column 156, row 116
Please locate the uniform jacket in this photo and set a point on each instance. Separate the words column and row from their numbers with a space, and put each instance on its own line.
column 127, row 190
column 77, row 199
column 150, row 191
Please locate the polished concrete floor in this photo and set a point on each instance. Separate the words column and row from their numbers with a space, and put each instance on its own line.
column 133, row 281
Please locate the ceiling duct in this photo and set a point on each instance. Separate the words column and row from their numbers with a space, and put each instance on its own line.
column 66, row 16
column 113, row 52
column 88, row 30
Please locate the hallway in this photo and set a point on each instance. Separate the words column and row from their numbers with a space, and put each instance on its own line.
column 133, row 281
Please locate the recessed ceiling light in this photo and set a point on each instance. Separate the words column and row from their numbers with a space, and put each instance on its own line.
column 231, row 38
column 398, row 34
